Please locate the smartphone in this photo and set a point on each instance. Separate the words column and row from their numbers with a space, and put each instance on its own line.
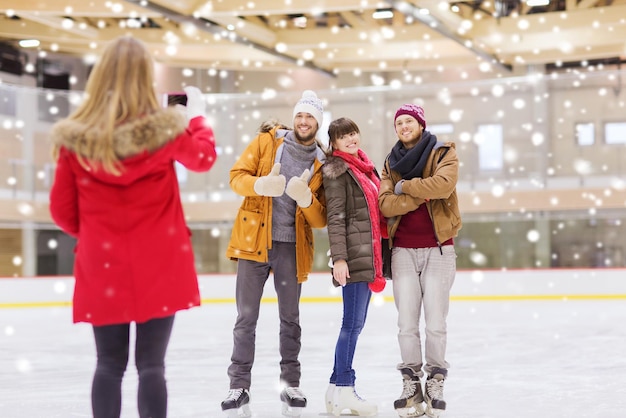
column 172, row 99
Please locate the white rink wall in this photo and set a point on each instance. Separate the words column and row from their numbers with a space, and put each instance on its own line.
column 469, row 285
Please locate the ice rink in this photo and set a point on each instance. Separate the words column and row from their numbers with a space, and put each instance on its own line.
column 523, row 344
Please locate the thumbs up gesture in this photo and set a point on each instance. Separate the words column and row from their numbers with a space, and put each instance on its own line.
column 298, row 189
column 272, row 185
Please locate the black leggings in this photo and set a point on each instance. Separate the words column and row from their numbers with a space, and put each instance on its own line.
column 112, row 343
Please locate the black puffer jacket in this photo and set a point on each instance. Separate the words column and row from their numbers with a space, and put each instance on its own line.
column 349, row 222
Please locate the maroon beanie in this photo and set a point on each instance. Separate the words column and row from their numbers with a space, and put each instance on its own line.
column 412, row 110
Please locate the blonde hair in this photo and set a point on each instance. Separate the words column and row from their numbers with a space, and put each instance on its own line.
column 120, row 88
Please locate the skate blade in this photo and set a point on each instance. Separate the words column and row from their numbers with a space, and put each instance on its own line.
column 292, row 411
column 364, row 413
column 410, row 412
column 243, row 412
column 353, row 412
column 433, row 412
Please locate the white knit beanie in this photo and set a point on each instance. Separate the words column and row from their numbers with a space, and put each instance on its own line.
column 309, row 103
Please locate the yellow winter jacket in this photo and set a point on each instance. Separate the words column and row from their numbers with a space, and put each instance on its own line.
column 252, row 231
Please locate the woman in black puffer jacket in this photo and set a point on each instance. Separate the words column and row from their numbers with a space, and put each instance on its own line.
column 355, row 230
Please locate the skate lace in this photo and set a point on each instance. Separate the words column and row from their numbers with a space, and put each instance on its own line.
column 435, row 388
column 356, row 395
column 409, row 386
column 294, row 392
column 234, row 394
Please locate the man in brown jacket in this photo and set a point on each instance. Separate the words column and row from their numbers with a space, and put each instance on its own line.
column 279, row 175
column 418, row 196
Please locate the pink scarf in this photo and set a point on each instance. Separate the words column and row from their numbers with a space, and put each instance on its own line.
column 363, row 169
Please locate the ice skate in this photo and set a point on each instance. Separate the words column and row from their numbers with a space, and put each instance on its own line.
column 345, row 397
column 433, row 395
column 329, row 398
column 410, row 402
column 293, row 401
column 237, row 404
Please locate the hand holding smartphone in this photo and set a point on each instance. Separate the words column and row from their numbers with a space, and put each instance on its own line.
column 172, row 99
column 191, row 100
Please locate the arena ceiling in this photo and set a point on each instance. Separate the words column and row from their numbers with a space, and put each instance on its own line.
column 331, row 36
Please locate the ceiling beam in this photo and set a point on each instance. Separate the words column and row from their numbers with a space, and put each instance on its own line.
column 94, row 9
column 438, row 26
column 554, row 55
column 58, row 23
column 214, row 28
column 261, row 7
column 353, row 20
column 248, row 30
column 586, row 4
column 602, row 20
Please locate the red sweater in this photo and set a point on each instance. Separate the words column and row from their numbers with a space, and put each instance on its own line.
column 416, row 230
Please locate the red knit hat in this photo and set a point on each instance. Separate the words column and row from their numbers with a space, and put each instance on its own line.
column 412, row 110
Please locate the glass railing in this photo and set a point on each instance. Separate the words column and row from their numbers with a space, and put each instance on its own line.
column 540, row 154
column 537, row 115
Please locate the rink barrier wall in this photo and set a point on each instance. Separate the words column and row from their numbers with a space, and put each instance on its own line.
column 476, row 285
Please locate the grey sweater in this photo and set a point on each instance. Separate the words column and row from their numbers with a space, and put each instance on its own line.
column 294, row 158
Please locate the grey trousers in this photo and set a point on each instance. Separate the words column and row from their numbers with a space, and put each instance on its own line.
column 251, row 278
column 423, row 277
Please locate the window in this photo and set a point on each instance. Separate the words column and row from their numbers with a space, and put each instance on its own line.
column 585, row 134
column 8, row 101
column 322, row 133
column 181, row 172
column 441, row 128
column 488, row 138
column 615, row 133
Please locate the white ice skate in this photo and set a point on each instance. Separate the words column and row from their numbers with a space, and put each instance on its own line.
column 330, row 392
column 345, row 397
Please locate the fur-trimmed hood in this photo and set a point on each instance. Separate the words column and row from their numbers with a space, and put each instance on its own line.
column 139, row 144
column 148, row 133
column 146, row 267
column 334, row 167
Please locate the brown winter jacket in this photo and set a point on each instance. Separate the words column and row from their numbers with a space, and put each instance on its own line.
column 436, row 189
column 252, row 230
column 349, row 222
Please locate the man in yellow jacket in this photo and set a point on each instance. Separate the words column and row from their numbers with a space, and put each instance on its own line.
column 279, row 175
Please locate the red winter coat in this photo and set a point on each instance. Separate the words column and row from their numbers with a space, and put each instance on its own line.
column 134, row 259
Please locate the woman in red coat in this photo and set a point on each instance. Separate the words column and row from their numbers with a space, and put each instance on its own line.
column 115, row 190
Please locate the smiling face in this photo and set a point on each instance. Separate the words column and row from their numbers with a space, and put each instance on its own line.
column 344, row 136
column 348, row 143
column 409, row 130
column 305, row 127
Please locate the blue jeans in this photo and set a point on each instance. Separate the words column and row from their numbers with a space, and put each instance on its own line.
column 356, row 300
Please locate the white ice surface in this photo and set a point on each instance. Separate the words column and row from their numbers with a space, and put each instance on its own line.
column 518, row 359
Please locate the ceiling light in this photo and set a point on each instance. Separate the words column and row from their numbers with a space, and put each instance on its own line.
column 534, row 3
column 300, row 21
column 382, row 14
column 29, row 43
